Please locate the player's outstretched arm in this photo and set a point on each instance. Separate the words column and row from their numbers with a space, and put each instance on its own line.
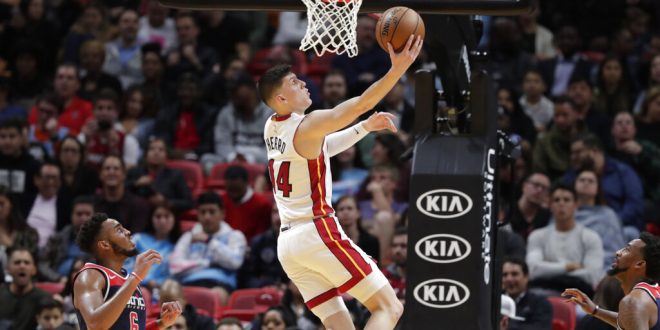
column 344, row 139
column 589, row 307
column 636, row 310
column 318, row 124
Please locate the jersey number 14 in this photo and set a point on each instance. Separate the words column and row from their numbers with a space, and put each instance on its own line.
column 282, row 182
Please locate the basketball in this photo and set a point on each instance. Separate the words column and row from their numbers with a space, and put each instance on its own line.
column 396, row 25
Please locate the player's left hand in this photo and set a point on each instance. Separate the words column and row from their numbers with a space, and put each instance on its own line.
column 380, row 121
column 169, row 313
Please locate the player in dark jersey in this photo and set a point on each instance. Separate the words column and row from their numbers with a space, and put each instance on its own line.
column 105, row 296
column 637, row 267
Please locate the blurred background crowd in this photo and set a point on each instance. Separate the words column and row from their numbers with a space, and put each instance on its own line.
column 152, row 116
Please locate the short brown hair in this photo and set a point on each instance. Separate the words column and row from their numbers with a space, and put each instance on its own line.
column 272, row 80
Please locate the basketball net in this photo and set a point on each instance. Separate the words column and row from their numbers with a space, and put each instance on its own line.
column 331, row 26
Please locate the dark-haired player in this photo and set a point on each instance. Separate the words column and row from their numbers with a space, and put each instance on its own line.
column 105, row 296
column 637, row 267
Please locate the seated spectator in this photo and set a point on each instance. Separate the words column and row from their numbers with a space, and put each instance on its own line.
column 92, row 57
column 348, row 214
column 395, row 103
column 262, row 267
column 20, row 298
column 245, row 209
column 154, row 181
column 293, row 305
column 171, row 290
column 537, row 40
column 14, row 230
column 77, row 178
column 76, row 110
column 50, row 315
column 597, row 122
column 161, row 234
column 122, row 55
column 29, row 76
column 230, row 323
column 595, row 215
column 396, row 271
column 187, row 124
column 535, row 309
column 211, row 253
column 9, row 109
column 17, row 166
column 508, row 312
column 512, row 119
column 333, row 90
column 158, row 89
column 136, row 115
column 538, row 107
column 156, row 26
column 613, row 91
column 508, row 61
column 382, row 183
column 93, row 23
column 47, row 211
column 179, row 324
column 274, row 318
column 564, row 254
column 61, row 249
column 348, row 173
column 103, row 135
column 531, row 211
column 190, row 55
column 648, row 120
column 116, row 201
column 47, row 132
column 621, row 186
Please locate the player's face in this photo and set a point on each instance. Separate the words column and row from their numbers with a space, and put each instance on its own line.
column 629, row 256
column 118, row 238
column 294, row 93
column 210, row 216
column 50, row 319
column 514, row 281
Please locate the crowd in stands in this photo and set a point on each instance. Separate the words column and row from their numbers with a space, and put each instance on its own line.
column 152, row 116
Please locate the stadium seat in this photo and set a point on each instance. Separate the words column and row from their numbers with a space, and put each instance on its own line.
column 564, row 312
column 204, row 299
column 245, row 315
column 254, row 298
column 50, row 287
column 187, row 225
column 193, row 173
column 559, row 325
column 216, row 179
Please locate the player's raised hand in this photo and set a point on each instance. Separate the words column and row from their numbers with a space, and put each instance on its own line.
column 169, row 312
column 403, row 59
column 380, row 121
column 145, row 260
column 578, row 297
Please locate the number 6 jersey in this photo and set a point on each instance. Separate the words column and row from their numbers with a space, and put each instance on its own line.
column 302, row 187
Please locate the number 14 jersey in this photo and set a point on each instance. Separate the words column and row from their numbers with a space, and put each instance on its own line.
column 302, row 187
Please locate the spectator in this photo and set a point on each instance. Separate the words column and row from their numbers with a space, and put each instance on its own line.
column 291, row 29
column 20, row 298
column 531, row 211
column 294, row 307
column 536, row 38
column 77, row 177
column 191, row 55
column 552, row 150
column 61, row 249
column 94, row 80
column 395, row 103
column 9, row 109
column 92, row 24
column 50, row 315
column 348, row 214
column 558, row 71
column 46, row 132
column 28, row 79
column 17, row 166
column 613, row 93
column 210, row 254
column 226, row 33
column 156, row 182
column 348, row 173
column 14, row 230
column 642, row 155
column 621, row 185
column 509, row 61
column 580, row 92
column 157, row 89
column 116, row 201
column 518, row 121
column 179, row 324
column 171, row 290
column 653, row 83
column 592, row 213
column 386, row 149
column 538, row 107
column 134, row 115
column 564, row 254
column 396, row 271
column 76, row 110
column 239, row 127
column 230, row 323
column 245, row 209
column 535, row 309
column 187, row 124
column 161, row 234
column 334, row 90
column 275, row 318
column 156, row 26
column 47, row 211
column 648, row 123
column 262, row 267
column 122, row 55
column 104, row 136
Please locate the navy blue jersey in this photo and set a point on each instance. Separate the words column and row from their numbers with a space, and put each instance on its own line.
column 654, row 291
column 134, row 316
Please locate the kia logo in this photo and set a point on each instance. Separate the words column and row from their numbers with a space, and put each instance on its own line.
column 441, row 293
column 444, row 203
column 443, row 248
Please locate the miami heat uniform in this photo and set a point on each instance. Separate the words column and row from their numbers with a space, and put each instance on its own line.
column 654, row 291
column 134, row 316
column 313, row 249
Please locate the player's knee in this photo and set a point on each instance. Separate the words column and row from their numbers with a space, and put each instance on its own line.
column 397, row 309
column 392, row 308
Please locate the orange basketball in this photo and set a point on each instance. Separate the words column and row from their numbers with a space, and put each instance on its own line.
column 396, row 25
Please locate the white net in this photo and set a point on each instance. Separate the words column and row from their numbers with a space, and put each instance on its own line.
column 331, row 26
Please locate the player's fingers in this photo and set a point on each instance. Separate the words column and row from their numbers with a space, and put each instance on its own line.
column 387, row 115
column 390, row 49
column 391, row 125
column 410, row 42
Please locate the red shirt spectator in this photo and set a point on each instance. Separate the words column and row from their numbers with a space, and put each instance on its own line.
column 245, row 210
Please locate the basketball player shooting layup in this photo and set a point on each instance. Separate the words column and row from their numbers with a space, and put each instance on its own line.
column 637, row 267
column 104, row 296
column 314, row 251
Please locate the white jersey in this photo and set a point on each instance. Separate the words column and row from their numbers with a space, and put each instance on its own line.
column 302, row 187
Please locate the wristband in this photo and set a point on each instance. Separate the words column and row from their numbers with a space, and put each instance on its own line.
column 595, row 310
column 137, row 276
